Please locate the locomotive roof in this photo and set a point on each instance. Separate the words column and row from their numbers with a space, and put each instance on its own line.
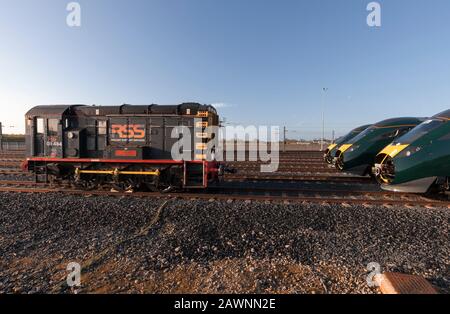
column 123, row 109
column 399, row 121
column 50, row 110
column 443, row 114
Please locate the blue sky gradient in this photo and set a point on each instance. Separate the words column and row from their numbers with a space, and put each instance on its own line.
column 264, row 61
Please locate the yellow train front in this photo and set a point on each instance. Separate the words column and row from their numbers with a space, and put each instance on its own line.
column 126, row 147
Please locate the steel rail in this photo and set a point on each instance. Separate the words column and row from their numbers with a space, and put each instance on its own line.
column 271, row 198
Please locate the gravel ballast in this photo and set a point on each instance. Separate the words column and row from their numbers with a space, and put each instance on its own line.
column 133, row 245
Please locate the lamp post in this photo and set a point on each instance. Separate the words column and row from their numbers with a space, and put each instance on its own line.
column 324, row 90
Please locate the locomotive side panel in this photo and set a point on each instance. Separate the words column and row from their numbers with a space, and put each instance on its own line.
column 146, row 137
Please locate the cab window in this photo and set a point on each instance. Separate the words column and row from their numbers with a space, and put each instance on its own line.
column 40, row 126
column 102, row 127
column 52, row 127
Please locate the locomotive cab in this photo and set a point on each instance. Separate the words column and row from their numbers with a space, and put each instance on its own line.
column 44, row 131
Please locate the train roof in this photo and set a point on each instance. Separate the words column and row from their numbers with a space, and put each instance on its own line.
column 399, row 121
column 361, row 128
column 443, row 114
column 184, row 108
column 50, row 110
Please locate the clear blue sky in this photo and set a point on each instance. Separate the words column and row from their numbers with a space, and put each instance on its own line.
column 265, row 61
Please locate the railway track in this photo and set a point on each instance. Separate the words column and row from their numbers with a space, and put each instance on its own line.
column 296, row 177
column 309, row 175
column 293, row 168
column 240, row 165
column 9, row 164
column 253, row 193
column 14, row 172
column 12, row 159
column 14, row 164
column 15, row 183
column 318, row 192
column 298, row 168
column 12, row 155
column 281, row 160
column 14, row 167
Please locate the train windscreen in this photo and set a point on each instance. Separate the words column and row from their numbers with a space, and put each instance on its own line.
column 362, row 135
column 419, row 131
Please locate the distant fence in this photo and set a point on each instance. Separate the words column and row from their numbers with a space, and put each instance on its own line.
column 12, row 145
column 288, row 146
column 8, row 142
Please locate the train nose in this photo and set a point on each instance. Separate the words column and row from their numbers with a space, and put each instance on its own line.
column 384, row 169
column 384, row 172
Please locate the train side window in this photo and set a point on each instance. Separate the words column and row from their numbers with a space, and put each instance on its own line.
column 52, row 127
column 102, row 127
column 40, row 126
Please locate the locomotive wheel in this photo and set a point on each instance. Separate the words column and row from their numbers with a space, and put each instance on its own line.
column 151, row 187
column 124, row 186
column 329, row 159
column 170, row 188
column 162, row 188
column 54, row 180
column 340, row 163
column 87, row 185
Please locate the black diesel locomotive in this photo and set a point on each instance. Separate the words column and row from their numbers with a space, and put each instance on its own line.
column 125, row 146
